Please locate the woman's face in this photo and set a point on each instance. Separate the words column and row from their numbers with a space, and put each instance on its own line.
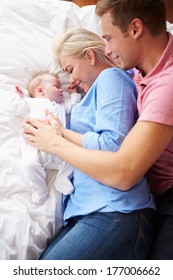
column 80, row 70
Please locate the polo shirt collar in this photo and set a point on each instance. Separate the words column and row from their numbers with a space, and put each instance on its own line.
column 165, row 61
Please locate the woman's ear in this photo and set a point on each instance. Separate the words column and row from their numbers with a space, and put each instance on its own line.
column 91, row 56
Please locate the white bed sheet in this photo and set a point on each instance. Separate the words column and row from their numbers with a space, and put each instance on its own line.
column 27, row 28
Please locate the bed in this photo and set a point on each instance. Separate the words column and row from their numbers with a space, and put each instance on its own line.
column 27, row 28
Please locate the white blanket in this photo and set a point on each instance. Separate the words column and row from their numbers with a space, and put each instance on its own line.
column 27, row 28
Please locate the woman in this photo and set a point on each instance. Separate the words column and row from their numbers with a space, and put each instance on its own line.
column 100, row 222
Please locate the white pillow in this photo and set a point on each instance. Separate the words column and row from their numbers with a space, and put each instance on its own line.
column 27, row 28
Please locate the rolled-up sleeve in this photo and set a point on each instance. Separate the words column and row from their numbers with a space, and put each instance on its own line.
column 113, row 109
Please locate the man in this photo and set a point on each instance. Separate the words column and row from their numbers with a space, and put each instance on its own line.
column 135, row 34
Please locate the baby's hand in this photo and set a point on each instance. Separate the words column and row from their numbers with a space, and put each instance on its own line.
column 72, row 87
column 19, row 91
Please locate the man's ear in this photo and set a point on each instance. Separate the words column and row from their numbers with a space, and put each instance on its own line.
column 136, row 27
column 91, row 56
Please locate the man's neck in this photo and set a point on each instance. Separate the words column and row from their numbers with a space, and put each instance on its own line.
column 170, row 17
column 169, row 6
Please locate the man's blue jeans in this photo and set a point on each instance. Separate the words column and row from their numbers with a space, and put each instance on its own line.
column 163, row 242
column 104, row 236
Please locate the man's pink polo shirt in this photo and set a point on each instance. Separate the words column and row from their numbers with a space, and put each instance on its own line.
column 155, row 104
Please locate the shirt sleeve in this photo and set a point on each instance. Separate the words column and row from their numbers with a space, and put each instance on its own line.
column 155, row 101
column 19, row 106
column 115, row 111
column 73, row 100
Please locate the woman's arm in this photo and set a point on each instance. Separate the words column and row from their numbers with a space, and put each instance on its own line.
column 122, row 169
column 112, row 111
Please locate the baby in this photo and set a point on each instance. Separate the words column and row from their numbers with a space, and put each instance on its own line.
column 48, row 87
column 45, row 92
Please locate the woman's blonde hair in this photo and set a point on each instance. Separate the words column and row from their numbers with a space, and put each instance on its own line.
column 77, row 41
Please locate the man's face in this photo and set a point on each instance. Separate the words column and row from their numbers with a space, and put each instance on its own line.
column 119, row 45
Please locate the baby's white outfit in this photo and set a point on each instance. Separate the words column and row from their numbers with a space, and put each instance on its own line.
column 36, row 163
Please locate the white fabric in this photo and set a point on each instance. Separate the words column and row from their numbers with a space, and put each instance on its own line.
column 27, row 28
column 169, row 26
column 34, row 162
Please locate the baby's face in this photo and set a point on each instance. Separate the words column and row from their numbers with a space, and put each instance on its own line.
column 52, row 88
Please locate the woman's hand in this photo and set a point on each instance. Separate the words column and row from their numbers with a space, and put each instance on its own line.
column 43, row 135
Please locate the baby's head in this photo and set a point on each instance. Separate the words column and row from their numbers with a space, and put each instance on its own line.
column 46, row 85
